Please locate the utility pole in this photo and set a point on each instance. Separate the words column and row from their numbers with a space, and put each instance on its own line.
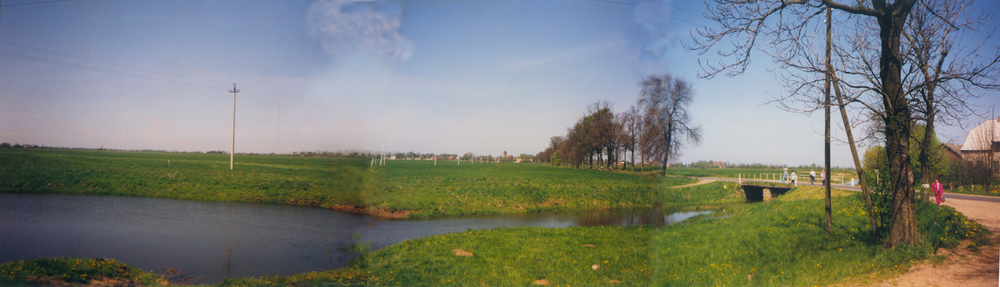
column 828, row 226
column 232, row 153
column 277, row 134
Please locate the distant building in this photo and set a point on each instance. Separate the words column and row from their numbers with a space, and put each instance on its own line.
column 954, row 151
column 982, row 142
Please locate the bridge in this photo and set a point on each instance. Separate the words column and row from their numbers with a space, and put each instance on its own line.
column 756, row 193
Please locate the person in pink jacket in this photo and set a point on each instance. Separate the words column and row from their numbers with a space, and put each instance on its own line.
column 938, row 191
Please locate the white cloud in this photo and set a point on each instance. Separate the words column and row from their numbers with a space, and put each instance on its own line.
column 347, row 26
column 656, row 36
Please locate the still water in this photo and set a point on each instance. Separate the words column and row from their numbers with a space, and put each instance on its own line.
column 211, row 241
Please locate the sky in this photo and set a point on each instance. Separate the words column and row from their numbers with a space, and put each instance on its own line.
column 332, row 75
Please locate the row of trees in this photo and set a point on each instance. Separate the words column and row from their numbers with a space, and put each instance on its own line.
column 656, row 128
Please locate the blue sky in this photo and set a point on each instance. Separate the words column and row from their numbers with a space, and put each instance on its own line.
column 422, row 76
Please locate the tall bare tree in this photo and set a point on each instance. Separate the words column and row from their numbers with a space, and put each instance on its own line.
column 787, row 23
column 666, row 100
column 632, row 124
column 943, row 74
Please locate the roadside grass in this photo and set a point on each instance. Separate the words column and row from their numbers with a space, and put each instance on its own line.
column 410, row 188
column 53, row 271
column 976, row 190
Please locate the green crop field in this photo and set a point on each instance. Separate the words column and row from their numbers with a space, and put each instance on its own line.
column 400, row 188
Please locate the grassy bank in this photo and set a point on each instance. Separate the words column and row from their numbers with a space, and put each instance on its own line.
column 75, row 271
column 399, row 189
column 775, row 243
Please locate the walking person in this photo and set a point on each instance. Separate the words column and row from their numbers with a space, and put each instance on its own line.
column 794, row 178
column 938, row 191
column 784, row 175
column 822, row 177
column 812, row 177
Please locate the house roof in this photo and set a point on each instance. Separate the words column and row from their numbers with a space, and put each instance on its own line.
column 979, row 138
column 955, row 148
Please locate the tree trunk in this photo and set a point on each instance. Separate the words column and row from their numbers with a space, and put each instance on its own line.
column 925, row 146
column 897, row 129
column 633, row 153
column 668, row 137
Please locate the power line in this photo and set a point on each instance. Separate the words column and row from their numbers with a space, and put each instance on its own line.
column 108, row 63
column 33, row 3
column 615, row 2
column 96, row 69
column 252, row 96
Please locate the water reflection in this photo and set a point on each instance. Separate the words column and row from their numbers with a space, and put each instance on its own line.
column 654, row 217
column 214, row 240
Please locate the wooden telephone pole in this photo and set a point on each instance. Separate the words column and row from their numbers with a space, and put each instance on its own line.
column 828, row 226
column 232, row 153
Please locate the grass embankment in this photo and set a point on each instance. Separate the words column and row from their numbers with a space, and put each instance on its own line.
column 399, row 189
column 780, row 242
column 75, row 271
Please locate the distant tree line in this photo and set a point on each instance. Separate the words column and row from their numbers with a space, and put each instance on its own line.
column 654, row 129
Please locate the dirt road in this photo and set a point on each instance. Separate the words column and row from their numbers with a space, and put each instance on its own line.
column 962, row 268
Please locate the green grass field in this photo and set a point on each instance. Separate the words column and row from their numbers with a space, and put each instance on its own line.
column 401, row 188
column 775, row 243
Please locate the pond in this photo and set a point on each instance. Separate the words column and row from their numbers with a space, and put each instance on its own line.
column 210, row 241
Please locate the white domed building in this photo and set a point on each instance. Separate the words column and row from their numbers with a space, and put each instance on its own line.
column 983, row 142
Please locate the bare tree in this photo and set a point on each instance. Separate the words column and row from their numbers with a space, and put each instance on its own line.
column 600, row 133
column 632, row 124
column 666, row 100
column 787, row 23
column 942, row 85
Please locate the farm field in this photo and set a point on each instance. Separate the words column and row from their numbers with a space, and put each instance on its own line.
column 398, row 189
column 780, row 242
column 776, row 243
